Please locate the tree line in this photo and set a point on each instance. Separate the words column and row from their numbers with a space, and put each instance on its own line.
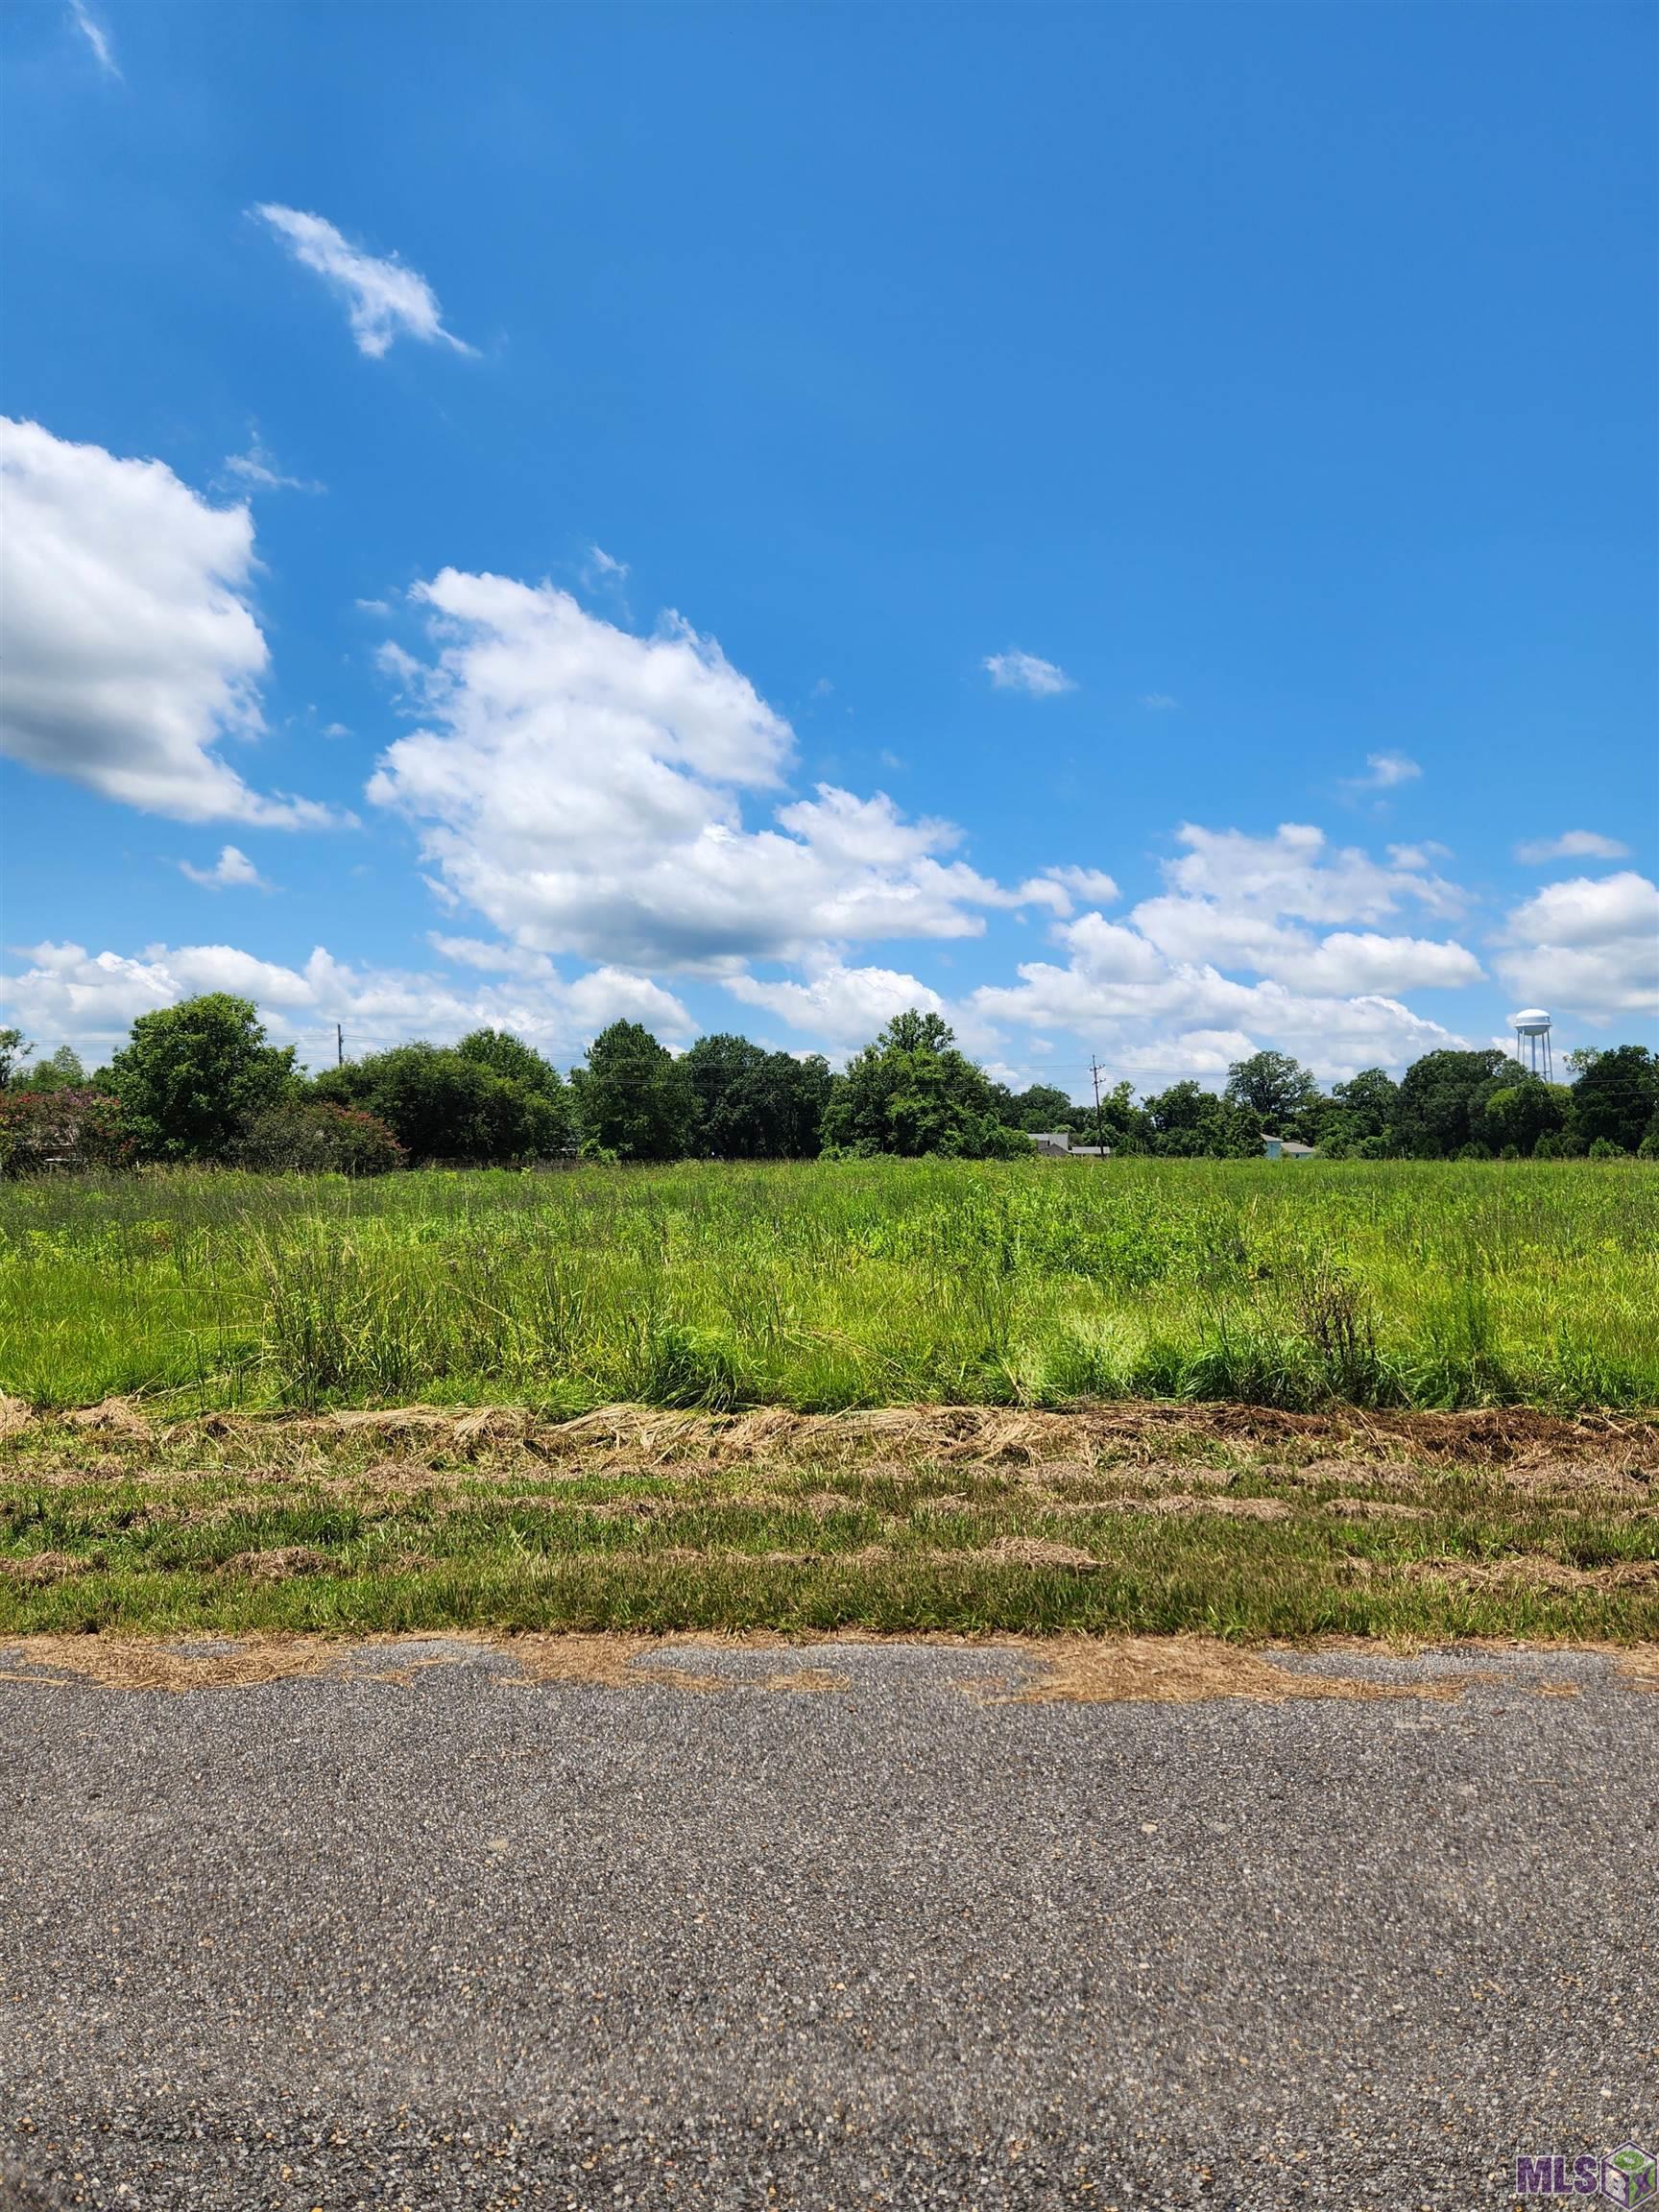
column 200, row 1081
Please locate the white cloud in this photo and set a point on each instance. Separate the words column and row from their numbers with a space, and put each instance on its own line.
column 1016, row 671
column 383, row 298
column 231, row 871
column 92, row 999
column 1572, row 845
column 1588, row 947
column 95, row 36
column 1092, row 884
column 127, row 643
column 257, row 471
column 1384, row 772
column 1153, row 990
column 600, row 568
column 581, row 787
column 844, row 1007
column 1159, row 702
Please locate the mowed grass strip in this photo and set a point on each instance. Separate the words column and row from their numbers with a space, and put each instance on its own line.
column 1122, row 1520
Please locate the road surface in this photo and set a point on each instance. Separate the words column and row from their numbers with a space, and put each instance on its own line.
column 854, row 1928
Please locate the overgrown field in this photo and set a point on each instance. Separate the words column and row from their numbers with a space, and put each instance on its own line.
column 831, row 1285
column 1231, row 1521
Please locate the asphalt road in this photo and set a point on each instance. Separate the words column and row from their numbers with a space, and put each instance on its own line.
column 450, row 1941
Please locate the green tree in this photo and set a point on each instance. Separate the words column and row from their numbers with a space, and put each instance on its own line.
column 1275, row 1087
column 1521, row 1113
column 1443, row 1099
column 912, row 1092
column 634, row 1098
column 62, row 1072
column 516, row 1062
column 753, row 1105
column 441, row 1104
column 14, row 1050
column 193, row 1075
column 1188, row 1122
column 1357, row 1121
column 1615, row 1097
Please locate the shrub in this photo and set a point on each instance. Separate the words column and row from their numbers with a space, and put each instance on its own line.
column 315, row 1138
column 42, row 1129
column 1605, row 1149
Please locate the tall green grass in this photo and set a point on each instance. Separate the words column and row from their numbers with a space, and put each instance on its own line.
column 852, row 1283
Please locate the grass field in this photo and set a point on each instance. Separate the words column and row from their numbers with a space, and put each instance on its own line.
column 825, row 1287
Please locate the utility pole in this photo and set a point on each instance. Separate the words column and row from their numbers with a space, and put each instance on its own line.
column 338, row 1046
column 1099, row 1125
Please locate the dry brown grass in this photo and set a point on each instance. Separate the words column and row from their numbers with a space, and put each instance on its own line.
column 1514, row 1437
column 1062, row 1670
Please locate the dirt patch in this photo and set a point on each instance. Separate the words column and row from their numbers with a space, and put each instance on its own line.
column 14, row 1416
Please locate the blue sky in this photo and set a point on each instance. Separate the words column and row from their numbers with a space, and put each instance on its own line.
column 1135, row 525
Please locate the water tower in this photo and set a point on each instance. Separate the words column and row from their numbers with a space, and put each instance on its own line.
column 1532, row 1042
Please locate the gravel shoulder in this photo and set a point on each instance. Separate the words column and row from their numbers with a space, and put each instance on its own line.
column 443, row 1923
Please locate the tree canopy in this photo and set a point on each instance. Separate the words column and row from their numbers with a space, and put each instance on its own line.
column 635, row 1100
column 1273, row 1086
column 193, row 1075
column 753, row 1105
column 444, row 1104
column 912, row 1092
column 200, row 1080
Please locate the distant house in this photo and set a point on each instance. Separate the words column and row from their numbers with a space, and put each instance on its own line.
column 1057, row 1144
column 1287, row 1149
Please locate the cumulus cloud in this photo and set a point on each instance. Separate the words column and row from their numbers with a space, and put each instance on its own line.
column 1092, row 884
column 1154, row 988
column 127, row 643
column 95, row 36
column 1571, row 844
column 841, row 1006
column 1016, row 671
column 1589, row 945
column 93, row 998
column 581, row 787
column 384, row 299
column 231, row 871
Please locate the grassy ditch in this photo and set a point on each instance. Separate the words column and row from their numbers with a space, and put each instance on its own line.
column 1228, row 1522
